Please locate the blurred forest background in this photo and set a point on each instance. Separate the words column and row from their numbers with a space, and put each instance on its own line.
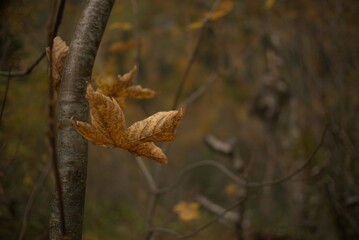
column 264, row 79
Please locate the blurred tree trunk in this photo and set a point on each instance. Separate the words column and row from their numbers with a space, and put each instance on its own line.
column 72, row 148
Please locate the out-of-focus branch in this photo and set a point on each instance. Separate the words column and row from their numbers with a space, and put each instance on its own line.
column 239, row 180
column 193, row 55
column 216, row 209
column 147, row 174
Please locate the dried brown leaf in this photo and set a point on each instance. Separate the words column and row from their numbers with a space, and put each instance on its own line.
column 149, row 150
column 159, row 127
column 91, row 133
column 108, row 127
column 59, row 52
column 122, row 88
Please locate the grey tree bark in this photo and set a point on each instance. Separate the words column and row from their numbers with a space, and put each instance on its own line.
column 72, row 148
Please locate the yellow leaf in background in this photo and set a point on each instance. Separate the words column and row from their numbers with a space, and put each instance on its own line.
column 108, row 127
column 187, row 211
column 269, row 3
column 194, row 25
column 59, row 52
column 223, row 9
column 122, row 46
column 231, row 189
column 121, row 26
column 122, row 88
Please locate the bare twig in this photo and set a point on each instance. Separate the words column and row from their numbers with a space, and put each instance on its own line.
column 5, row 97
column 54, row 31
column 27, row 71
column 239, row 180
column 31, row 200
column 193, row 55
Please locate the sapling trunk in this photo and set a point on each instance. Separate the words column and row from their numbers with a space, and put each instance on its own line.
column 72, row 148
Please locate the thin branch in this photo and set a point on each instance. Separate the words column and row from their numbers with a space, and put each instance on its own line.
column 239, row 180
column 5, row 97
column 193, row 55
column 27, row 71
column 31, row 200
column 43, row 53
column 146, row 172
column 200, row 91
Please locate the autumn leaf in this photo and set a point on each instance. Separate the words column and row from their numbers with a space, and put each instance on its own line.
column 58, row 54
column 122, row 88
column 108, row 127
column 187, row 211
column 223, row 9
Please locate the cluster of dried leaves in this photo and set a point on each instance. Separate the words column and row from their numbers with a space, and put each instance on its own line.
column 108, row 125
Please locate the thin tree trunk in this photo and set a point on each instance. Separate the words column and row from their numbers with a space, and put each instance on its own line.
column 72, row 148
